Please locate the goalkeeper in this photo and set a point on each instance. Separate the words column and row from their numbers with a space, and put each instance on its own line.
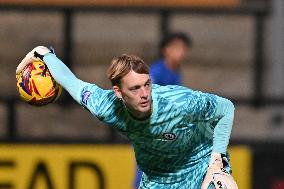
column 180, row 136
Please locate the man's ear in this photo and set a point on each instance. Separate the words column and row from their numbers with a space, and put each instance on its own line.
column 117, row 91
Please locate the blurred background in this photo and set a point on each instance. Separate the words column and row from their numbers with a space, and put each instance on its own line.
column 237, row 53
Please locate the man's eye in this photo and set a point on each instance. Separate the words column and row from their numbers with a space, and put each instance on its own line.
column 134, row 89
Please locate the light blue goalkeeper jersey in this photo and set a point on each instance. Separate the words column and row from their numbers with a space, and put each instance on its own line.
column 175, row 143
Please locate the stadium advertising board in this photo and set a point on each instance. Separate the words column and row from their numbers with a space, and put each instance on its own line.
column 83, row 166
column 66, row 166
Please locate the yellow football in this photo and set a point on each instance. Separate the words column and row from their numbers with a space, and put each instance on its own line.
column 36, row 85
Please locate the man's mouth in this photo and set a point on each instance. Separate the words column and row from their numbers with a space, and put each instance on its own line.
column 144, row 103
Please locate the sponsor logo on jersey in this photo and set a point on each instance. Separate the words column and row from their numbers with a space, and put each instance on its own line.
column 169, row 136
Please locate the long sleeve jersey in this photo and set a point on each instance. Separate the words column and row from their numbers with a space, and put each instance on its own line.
column 176, row 140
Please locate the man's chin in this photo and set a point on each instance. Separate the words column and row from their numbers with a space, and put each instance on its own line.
column 145, row 109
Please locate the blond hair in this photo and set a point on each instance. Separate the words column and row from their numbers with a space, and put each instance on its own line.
column 120, row 66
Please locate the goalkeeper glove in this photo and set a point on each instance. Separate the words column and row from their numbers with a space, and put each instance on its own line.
column 217, row 176
column 36, row 54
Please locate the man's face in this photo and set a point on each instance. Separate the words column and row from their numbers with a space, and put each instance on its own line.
column 135, row 91
column 176, row 51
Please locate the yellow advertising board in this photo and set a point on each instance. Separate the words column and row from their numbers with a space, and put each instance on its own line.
column 85, row 166
column 31, row 166
column 241, row 162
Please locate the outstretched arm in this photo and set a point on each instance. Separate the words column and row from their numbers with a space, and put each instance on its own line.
column 60, row 72
column 63, row 75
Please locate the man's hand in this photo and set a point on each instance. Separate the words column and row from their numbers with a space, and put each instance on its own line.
column 217, row 177
column 35, row 54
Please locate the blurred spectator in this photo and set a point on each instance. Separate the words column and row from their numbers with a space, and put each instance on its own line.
column 166, row 70
column 173, row 50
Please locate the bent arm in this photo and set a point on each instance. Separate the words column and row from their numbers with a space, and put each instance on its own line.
column 222, row 131
column 63, row 75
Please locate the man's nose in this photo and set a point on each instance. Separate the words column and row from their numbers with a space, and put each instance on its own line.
column 143, row 92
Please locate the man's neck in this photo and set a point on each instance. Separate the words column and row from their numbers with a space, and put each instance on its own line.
column 139, row 115
column 172, row 65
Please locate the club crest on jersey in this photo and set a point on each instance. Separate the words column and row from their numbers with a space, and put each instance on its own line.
column 85, row 96
column 169, row 136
